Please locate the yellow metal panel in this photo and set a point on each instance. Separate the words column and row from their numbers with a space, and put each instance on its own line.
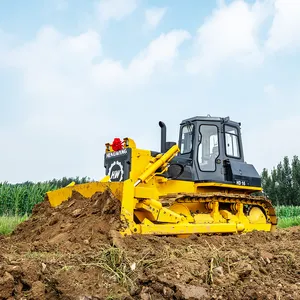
column 130, row 143
column 105, row 179
column 229, row 186
column 139, row 161
column 128, row 203
column 160, row 214
column 203, row 218
column 186, row 228
column 174, row 187
column 146, row 192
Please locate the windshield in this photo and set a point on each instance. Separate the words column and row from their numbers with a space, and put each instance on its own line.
column 187, row 138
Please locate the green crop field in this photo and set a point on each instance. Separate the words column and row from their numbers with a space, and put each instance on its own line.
column 17, row 201
column 20, row 199
column 288, row 216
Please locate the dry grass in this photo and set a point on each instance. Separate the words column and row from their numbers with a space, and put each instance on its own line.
column 115, row 262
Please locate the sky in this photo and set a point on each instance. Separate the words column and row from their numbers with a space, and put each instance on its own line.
column 75, row 74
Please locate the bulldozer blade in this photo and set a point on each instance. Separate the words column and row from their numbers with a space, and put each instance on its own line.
column 56, row 197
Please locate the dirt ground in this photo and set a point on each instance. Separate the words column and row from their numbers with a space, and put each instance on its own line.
column 73, row 252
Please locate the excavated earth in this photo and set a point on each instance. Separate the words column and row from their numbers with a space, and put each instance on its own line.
column 74, row 252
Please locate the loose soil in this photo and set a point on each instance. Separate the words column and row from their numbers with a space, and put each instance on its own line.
column 74, row 252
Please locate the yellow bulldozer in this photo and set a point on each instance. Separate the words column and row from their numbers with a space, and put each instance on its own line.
column 202, row 185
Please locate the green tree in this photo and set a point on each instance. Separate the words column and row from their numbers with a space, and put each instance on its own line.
column 296, row 180
column 282, row 184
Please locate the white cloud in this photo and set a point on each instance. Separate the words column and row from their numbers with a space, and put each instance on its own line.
column 52, row 61
column 284, row 33
column 158, row 55
column 229, row 34
column 154, row 16
column 232, row 34
column 115, row 9
column 70, row 100
column 54, row 65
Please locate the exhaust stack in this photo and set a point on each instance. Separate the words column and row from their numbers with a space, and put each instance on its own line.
column 163, row 137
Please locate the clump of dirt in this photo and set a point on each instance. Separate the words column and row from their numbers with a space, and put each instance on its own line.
column 74, row 252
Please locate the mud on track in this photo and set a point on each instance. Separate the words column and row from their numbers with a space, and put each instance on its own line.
column 74, row 252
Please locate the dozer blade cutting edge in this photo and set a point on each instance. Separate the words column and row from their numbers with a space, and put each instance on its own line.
column 202, row 187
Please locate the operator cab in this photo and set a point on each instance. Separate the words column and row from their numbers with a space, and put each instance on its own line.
column 211, row 151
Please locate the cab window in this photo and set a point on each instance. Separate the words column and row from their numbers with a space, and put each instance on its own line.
column 232, row 146
column 208, row 149
column 187, row 138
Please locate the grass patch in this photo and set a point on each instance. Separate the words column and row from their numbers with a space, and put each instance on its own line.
column 9, row 223
column 288, row 222
column 287, row 211
column 117, row 264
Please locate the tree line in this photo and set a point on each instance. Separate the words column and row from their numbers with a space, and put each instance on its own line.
column 282, row 184
column 57, row 183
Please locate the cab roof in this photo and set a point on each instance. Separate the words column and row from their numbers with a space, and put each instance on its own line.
column 210, row 119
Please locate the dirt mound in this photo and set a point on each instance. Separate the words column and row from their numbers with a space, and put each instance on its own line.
column 78, row 224
column 73, row 252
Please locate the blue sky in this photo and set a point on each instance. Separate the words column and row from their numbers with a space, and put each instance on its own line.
column 75, row 74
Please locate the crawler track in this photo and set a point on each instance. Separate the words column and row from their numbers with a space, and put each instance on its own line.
column 229, row 198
